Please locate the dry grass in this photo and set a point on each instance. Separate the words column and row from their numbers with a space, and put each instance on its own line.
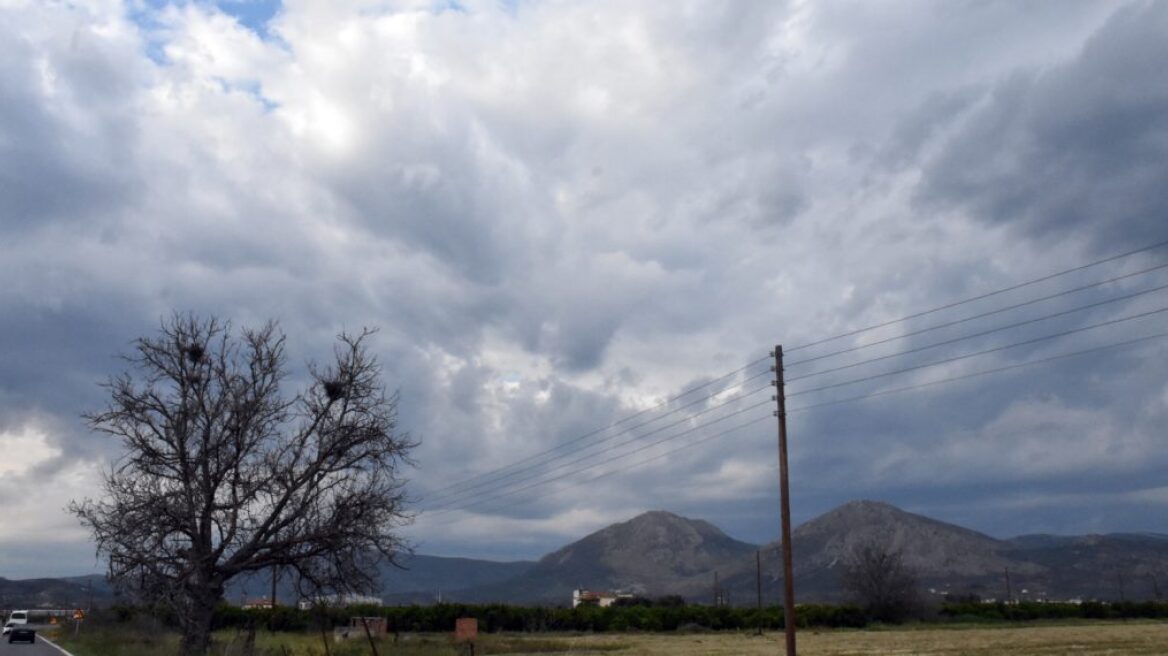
column 1112, row 639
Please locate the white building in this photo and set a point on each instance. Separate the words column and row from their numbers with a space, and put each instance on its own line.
column 602, row 599
column 340, row 601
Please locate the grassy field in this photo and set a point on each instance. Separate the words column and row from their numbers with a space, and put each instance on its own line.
column 1143, row 639
column 1111, row 638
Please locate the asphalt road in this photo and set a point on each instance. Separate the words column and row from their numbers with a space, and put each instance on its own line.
column 39, row 648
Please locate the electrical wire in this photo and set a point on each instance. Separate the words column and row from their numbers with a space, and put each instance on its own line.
column 457, row 497
column 981, row 333
column 687, row 445
column 979, row 353
column 979, row 297
column 442, row 499
column 495, row 497
column 633, row 465
column 976, row 374
column 980, row 315
column 493, row 477
column 462, row 484
column 635, row 438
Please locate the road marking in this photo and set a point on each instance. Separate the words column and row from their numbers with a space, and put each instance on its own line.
column 55, row 645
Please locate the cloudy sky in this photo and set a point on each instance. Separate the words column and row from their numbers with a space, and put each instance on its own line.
column 562, row 213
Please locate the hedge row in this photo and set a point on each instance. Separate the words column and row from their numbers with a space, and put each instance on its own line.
column 1029, row 610
column 502, row 617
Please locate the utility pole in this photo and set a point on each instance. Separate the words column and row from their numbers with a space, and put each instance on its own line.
column 780, row 399
column 758, row 583
column 1009, row 593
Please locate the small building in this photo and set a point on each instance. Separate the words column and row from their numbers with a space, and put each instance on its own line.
column 259, row 603
column 340, row 601
column 594, row 598
column 376, row 626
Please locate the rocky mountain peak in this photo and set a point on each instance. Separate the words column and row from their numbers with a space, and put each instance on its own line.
column 928, row 545
column 642, row 553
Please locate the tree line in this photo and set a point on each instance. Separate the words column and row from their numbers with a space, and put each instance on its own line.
column 493, row 618
column 1034, row 610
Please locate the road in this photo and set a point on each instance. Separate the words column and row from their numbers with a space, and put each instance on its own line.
column 39, row 648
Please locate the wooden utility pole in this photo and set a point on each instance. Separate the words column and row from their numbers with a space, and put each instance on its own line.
column 758, row 583
column 785, row 504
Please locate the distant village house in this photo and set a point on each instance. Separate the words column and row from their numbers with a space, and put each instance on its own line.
column 340, row 601
column 592, row 598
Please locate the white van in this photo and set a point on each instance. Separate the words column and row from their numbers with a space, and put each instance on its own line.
column 17, row 618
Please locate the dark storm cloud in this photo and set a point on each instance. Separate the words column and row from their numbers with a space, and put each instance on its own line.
column 65, row 159
column 1079, row 147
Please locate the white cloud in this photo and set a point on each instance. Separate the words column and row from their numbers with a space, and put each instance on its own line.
column 24, row 451
column 36, row 484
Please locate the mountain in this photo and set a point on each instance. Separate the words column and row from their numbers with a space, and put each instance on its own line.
column 416, row 579
column 1115, row 566
column 75, row 592
column 928, row 546
column 434, row 574
column 659, row 553
column 944, row 556
column 655, row 553
column 949, row 559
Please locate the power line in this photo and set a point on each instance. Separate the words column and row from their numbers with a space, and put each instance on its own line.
column 506, row 471
column 443, row 499
column 979, row 353
column 495, row 497
column 458, row 498
column 464, row 483
column 638, row 463
column 979, row 297
column 980, row 315
column 853, row 399
column 976, row 374
column 982, row 333
column 451, row 493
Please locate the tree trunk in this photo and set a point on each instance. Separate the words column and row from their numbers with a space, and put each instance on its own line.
column 196, row 626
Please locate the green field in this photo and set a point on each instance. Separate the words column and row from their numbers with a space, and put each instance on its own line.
column 1143, row 638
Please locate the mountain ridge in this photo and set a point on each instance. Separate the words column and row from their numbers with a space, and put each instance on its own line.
column 660, row 553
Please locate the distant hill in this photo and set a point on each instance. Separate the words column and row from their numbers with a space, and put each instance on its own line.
column 418, row 579
column 75, row 592
column 654, row 553
column 433, row 574
column 955, row 560
column 659, row 553
column 1119, row 565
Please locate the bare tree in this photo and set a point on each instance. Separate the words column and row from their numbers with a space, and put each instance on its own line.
column 876, row 577
column 223, row 474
